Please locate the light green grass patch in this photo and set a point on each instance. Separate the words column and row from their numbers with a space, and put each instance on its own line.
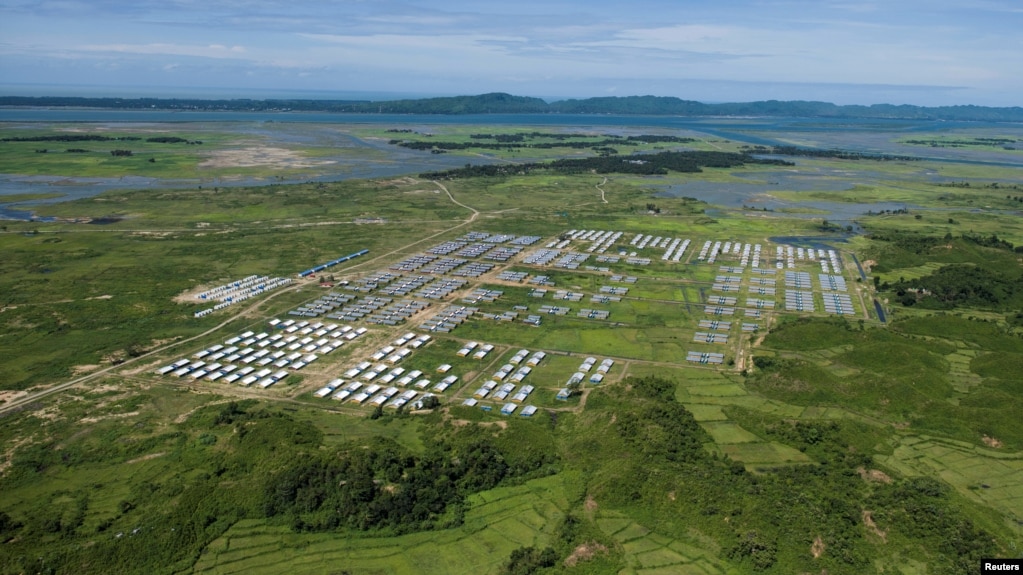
column 753, row 454
column 726, row 432
column 639, row 545
column 659, row 558
column 729, row 390
column 614, row 525
column 633, row 531
column 703, row 412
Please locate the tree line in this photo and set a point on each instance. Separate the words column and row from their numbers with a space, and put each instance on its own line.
column 831, row 154
column 640, row 164
column 518, row 141
column 501, row 103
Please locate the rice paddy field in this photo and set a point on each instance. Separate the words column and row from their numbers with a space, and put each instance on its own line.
column 734, row 429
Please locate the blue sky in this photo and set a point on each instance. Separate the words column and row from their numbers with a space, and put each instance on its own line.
column 933, row 52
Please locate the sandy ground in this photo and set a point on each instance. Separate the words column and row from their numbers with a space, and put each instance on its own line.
column 83, row 369
column 260, row 157
column 6, row 396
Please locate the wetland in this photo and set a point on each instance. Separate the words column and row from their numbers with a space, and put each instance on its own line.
column 852, row 438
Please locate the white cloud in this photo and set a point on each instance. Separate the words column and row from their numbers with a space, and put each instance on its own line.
column 462, row 47
column 209, row 51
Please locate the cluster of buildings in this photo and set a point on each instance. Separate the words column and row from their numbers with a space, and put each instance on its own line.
column 421, row 291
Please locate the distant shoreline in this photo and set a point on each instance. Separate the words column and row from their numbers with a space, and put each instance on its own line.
column 499, row 103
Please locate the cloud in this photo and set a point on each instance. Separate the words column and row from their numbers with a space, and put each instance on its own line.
column 209, row 51
column 457, row 46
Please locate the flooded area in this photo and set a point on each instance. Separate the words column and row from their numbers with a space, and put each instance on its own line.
column 339, row 154
column 759, row 192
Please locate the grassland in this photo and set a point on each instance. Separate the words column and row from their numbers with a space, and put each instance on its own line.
column 212, row 154
column 831, row 419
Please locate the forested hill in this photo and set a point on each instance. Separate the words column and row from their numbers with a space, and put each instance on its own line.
column 499, row 103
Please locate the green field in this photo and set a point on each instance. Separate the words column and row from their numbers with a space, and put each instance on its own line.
column 820, row 443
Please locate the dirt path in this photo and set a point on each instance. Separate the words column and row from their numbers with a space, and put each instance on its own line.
column 603, row 198
column 28, row 399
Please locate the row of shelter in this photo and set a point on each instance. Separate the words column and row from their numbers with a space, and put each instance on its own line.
column 251, row 357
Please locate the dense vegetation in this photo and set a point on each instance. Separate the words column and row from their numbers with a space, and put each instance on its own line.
column 960, row 285
column 518, row 141
column 770, row 522
column 499, row 103
column 826, row 154
column 646, row 164
column 72, row 138
column 1005, row 143
column 382, row 485
column 239, row 461
column 975, row 270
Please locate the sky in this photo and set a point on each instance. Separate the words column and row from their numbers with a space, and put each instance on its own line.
column 922, row 52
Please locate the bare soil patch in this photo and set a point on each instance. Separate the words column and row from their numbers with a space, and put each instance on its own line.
column 147, row 457
column 260, row 157
column 190, row 296
column 111, row 416
column 873, row 475
column 817, row 549
column 6, row 396
column 585, row 552
column 868, row 521
column 6, row 458
column 406, row 181
column 464, row 422
column 83, row 369
column 51, row 413
column 992, row 442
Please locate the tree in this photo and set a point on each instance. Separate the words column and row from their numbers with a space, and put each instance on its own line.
column 761, row 553
column 528, row 560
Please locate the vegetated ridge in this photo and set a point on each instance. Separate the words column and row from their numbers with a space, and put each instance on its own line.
column 646, row 164
column 501, row 103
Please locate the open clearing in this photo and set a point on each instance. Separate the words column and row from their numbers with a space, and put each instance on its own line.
column 266, row 157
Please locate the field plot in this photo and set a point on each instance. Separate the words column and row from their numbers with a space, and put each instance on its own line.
column 496, row 523
column 704, row 413
column 992, row 478
column 728, row 432
column 763, row 455
column 732, row 440
column 647, row 553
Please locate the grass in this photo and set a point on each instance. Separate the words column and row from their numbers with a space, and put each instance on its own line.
column 497, row 522
column 968, row 468
column 727, row 432
column 647, row 553
column 932, row 394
